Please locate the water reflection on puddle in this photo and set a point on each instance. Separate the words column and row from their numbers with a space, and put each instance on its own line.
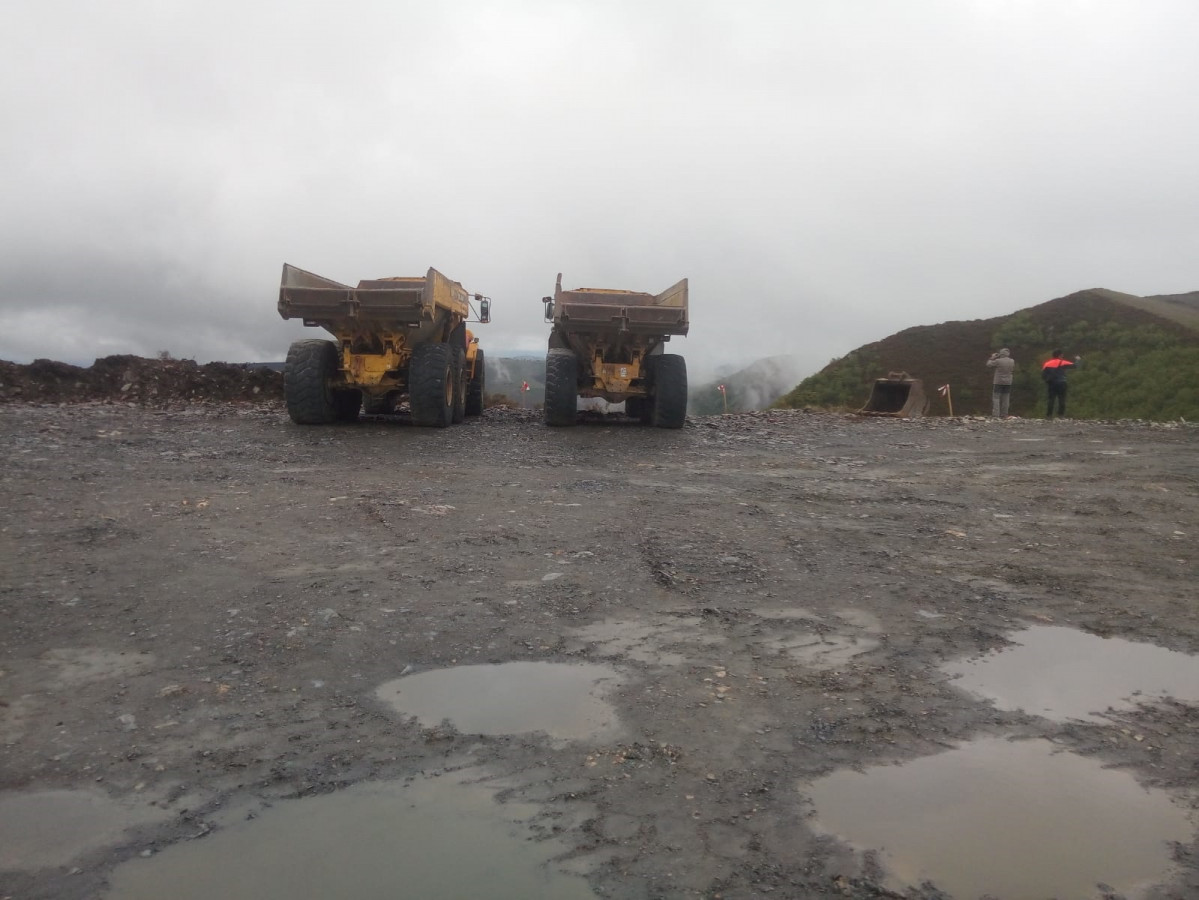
column 1012, row 819
column 1061, row 674
column 50, row 828
column 436, row 839
column 564, row 701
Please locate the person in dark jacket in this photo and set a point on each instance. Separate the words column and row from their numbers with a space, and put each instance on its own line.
column 1054, row 373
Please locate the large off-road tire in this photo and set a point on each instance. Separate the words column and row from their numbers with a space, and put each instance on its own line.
column 459, row 384
column 561, row 387
column 346, row 404
column 669, row 404
column 634, row 407
column 431, row 385
column 474, row 389
column 310, row 368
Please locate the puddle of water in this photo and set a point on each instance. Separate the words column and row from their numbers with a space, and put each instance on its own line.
column 564, row 701
column 1008, row 819
column 1062, row 674
column 40, row 829
column 437, row 839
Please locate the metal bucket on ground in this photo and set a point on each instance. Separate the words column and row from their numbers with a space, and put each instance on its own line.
column 897, row 395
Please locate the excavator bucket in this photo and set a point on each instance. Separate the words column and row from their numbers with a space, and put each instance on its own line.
column 897, row 395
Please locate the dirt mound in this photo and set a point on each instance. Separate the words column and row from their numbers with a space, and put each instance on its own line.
column 133, row 379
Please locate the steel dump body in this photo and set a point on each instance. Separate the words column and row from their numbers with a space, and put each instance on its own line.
column 395, row 302
column 633, row 312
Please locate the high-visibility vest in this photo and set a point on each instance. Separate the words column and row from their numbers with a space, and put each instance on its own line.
column 1057, row 364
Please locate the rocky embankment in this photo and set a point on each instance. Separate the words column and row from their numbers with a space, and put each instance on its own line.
column 134, row 379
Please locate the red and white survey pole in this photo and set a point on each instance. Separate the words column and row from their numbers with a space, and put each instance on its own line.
column 945, row 392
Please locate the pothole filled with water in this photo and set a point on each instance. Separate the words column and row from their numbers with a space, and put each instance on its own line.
column 1006, row 818
column 563, row 701
column 1062, row 674
column 435, row 838
column 39, row 829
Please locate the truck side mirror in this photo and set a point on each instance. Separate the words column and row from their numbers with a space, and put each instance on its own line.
column 484, row 310
column 549, row 308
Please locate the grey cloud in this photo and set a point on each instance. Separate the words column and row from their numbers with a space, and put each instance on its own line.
column 824, row 173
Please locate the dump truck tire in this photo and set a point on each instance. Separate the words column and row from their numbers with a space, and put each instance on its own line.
column 561, row 387
column 670, row 391
column 346, row 404
column 474, row 390
column 431, row 385
column 459, row 384
column 311, row 365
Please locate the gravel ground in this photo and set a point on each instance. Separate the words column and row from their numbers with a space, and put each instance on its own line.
column 201, row 605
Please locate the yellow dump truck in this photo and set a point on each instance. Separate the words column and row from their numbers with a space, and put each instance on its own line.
column 611, row 344
column 395, row 338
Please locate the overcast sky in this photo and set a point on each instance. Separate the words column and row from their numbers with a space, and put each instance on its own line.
column 826, row 172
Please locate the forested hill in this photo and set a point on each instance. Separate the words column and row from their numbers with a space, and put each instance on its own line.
column 1140, row 359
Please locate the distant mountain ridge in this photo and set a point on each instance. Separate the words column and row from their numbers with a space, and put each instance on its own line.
column 1141, row 358
column 1180, row 308
column 505, row 375
column 757, row 386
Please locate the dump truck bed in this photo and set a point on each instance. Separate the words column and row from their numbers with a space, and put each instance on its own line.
column 595, row 309
column 383, row 301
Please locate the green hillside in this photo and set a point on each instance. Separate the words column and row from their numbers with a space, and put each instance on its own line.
column 1138, row 362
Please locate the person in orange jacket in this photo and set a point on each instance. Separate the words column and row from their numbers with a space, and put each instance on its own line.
column 1054, row 375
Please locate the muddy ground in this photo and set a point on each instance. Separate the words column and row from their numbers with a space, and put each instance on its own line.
column 201, row 602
